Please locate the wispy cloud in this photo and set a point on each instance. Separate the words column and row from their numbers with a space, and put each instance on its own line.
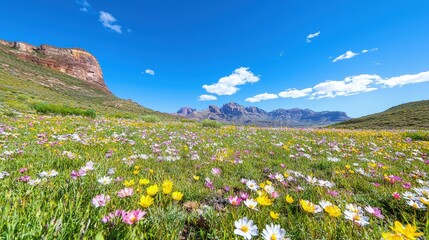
column 282, row 53
column 84, row 5
column 311, row 36
column 295, row 93
column 347, row 55
column 149, row 71
column 228, row 85
column 261, row 97
column 351, row 85
column 108, row 21
column 350, row 54
column 206, row 97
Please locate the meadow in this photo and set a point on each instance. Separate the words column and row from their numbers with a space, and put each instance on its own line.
column 72, row 177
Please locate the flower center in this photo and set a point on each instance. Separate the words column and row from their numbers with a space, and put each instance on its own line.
column 273, row 237
column 244, row 228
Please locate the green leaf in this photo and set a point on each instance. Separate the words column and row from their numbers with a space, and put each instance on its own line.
column 99, row 236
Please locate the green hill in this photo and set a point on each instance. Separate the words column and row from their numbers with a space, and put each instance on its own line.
column 413, row 115
column 24, row 84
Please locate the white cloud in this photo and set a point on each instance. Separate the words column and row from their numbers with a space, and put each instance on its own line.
column 261, row 97
column 347, row 55
column 406, row 79
column 295, row 93
column 311, row 36
column 149, row 71
column 349, row 86
column 282, row 53
column 108, row 21
column 228, row 85
column 206, row 97
column 84, row 5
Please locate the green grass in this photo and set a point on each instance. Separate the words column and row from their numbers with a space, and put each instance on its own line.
column 413, row 115
column 60, row 207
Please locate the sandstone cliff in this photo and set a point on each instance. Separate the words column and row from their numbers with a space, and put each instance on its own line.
column 74, row 62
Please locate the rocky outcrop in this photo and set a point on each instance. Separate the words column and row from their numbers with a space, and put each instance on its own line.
column 236, row 114
column 74, row 62
column 186, row 111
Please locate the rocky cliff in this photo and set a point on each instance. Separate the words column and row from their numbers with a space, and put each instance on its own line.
column 74, row 62
column 237, row 114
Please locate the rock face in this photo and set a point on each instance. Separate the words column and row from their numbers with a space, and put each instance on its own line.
column 237, row 114
column 74, row 62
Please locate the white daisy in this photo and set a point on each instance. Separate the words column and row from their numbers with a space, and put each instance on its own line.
column 273, row 232
column 105, row 180
column 245, row 228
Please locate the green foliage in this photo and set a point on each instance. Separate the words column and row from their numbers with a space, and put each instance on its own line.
column 46, row 108
column 418, row 135
column 211, row 123
column 150, row 118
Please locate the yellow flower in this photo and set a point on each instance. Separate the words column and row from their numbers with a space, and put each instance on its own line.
column 152, row 190
column 425, row 201
column 144, row 181
column 151, row 171
column 196, row 178
column 333, row 211
column 392, row 236
column 146, row 201
column 136, row 172
column 167, row 187
column 269, row 182
column 262, row 185
column 177, row 196
column 348, row 166
column 289, row 199
column 274, row 215
column 129, row 183
column 307, row 206
column 264, row 200
column 286, row 175
column 408, row 231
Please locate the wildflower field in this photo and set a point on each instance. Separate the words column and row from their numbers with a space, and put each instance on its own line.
column 107, row 178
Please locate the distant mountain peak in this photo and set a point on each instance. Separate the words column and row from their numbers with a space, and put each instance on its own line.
column 237, row 114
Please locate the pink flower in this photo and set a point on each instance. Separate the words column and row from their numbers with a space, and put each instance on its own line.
column 244, row 195
column 133, row 216
column 406, row 185
column 374, row 211
column 376, row 184
column 275, row 194
column 100, row 200
column 216, row 171
column 333, row 193
column 396, row 195
column 126, row 192
column 235, row 201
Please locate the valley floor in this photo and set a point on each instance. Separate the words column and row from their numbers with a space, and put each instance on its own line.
column 108, row 178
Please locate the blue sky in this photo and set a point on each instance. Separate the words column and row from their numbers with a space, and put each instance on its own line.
column 360, row 57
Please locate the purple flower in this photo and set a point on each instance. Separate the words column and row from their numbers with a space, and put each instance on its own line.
column 24, row 178
column 244, row 195
column 209, row 184
column 100, row 200
column 23, row 170
column 333, row 193
column 235, row 200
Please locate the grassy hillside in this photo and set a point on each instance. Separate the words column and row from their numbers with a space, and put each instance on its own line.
column 413, row 115
column 23, row 84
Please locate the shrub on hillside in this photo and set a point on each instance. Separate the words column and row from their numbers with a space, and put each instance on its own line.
column 211, row 123
column 151, row 118
column 47, row 108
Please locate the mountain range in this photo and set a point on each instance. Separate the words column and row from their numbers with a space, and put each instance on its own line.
column 233, row 113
